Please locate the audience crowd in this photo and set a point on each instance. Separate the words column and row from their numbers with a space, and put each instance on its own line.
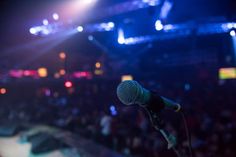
column 93, row 111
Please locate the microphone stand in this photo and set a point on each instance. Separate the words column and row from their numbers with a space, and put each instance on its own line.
column 158, row 124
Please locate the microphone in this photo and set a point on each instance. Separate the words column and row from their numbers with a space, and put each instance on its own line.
column 131, row 92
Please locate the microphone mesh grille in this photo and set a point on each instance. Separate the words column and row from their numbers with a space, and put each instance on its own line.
column 128, row 92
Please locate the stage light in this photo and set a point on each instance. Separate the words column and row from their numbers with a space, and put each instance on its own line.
column 90, row 38
column 165, row 9
column 98, row 72
column 62, row 72
column 111, row 24
column 68, row 84
column 106, row 26
column 227, row 73
column 42, row 72
column 187, row 87
column 88, row 1
column 232, row 33
column 98, row 65
column 158, row 25
column 55, row 16
column 121, row 37
column 126, row 77
column 3, row 91
column 26, row 73
column 45, row 22
column 33, row 31
column 62, row 55
column 57, row 75
column 230, row 25
column 168, row 27
column 113, row 110
column 80, row 29
column 121, row 40
column 45, row 31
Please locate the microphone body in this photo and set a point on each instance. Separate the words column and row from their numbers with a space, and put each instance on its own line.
column 131, row 92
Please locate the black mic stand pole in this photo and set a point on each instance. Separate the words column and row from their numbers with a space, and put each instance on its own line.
column 158, row 124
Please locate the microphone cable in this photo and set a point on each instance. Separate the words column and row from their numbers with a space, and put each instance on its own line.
column 187, row 133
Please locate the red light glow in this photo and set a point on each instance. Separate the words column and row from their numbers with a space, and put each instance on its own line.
column 3, row 91
column 68, row 84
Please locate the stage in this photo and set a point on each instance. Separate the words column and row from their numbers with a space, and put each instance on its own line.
column 44, row 141
column 11, row 147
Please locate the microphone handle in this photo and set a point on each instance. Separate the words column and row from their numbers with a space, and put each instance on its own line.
column 171, row 104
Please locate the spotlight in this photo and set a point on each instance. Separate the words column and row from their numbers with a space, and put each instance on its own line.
column 105, row 26
column 158, row 25
column 42, row 72
column 121, row 36
column 230, row 25
column 98, row 65
column 111, row 24
column 80, row 29
column 62, row 55
column 3, row 91
column 88, row 1
column 33, row 31
column 232, row 33
column 121, row 40
column 55, row 16
column 62, row 72
column 45, row 22
column 68, row 84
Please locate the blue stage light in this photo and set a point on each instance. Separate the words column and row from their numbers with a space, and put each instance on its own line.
column 121, row 37
column 111, row 24
column 159, row 25
column 55, row 16
column 80, row 29
column 33, row 31
column 232, row 33
column 45, row 22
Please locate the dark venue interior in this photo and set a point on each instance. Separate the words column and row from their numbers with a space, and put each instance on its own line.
column 62, row 63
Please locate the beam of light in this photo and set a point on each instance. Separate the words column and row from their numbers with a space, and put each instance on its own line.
column 76, row 9
column 233, row 35
column 32, row 45
column 121, row 36
column 166, row 8
column 39, row 51
column 100, row 27
column 41, row 47
column 151, row 2
column 98, row 44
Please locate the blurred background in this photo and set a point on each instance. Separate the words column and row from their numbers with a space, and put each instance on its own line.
column 61, row 61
